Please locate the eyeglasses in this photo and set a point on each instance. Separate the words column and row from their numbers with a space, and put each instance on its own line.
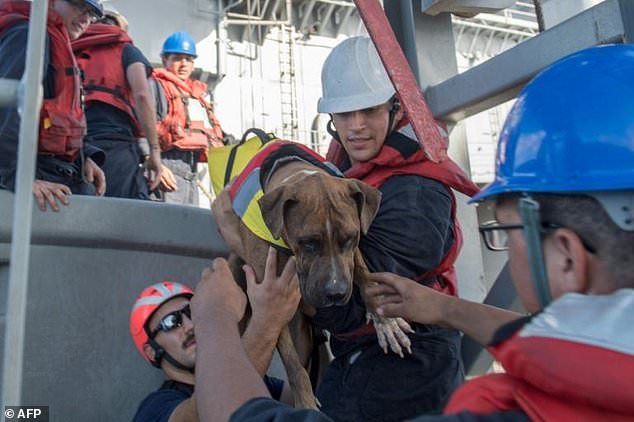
column 84, row 9
column 171, row 321
column 496, row 237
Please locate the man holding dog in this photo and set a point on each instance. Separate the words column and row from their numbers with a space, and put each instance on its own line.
column 164, row 334
column 414, row 234
column 564, row 194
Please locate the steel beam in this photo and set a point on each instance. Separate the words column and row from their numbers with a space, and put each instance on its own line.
column 502, row 77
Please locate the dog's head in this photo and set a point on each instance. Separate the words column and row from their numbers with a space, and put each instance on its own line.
column 321, row 219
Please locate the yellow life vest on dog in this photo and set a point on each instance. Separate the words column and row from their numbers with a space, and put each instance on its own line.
column 246, row 189
column 225, row 163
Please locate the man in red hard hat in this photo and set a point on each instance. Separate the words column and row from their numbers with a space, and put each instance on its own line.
column 164, row 334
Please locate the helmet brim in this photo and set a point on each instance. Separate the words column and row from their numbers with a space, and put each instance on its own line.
column 179, row 52
column 357, row 102
column 96, row 8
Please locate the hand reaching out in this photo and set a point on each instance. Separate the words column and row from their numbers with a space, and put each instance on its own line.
column 396, row 296
column 218, row 295
column 275, row 299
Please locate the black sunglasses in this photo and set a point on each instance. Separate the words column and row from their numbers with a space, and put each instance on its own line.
column 171, row 321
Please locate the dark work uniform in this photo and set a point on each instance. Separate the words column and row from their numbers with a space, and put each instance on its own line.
column 13, row 52
column 111, row 130
column 410, row 235
column 159, row 405
column 267, row 410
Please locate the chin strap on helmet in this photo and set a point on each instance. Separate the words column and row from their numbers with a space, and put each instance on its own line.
column 395, row 106
column 330, row 127
column 160, row 354
column 529, row 213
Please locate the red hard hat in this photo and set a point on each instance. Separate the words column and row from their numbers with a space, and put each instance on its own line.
column 147, row 303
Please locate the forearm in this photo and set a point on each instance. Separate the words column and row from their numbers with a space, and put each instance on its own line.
column 185, row 412
column 144, row 102
column 259, row 341
column 223, row 370
column 144, row 108
column 476, row 320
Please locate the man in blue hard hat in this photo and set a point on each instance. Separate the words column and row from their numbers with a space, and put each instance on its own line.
column 187, row 125
column 64, row 165
column 564, row 201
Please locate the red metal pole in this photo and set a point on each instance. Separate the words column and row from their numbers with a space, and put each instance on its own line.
column 431, row 135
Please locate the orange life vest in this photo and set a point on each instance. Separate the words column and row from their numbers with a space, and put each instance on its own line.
column 62, row 120
column 177, row 130
column 98, row 53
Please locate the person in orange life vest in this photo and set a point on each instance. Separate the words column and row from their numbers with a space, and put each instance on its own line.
column 187, row 125
column 166, row 336
column 63, row 166
column 415, row 234
column 564, row 192
column 119, row 106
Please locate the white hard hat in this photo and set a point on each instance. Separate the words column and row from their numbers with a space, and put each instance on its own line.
column 353, row 78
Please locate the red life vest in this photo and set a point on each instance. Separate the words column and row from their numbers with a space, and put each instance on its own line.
column 98, row 53
column 573, row 362
column 176, row 130
column 397, row 158
column 62, row 120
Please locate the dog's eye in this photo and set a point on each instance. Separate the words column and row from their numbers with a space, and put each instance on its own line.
column 309, row 245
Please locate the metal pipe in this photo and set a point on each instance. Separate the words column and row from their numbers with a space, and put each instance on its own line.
column 338, row 3
column 8, row 92
column 254, row 23
column 409, row 38
column 258, row 22
column 29, row 104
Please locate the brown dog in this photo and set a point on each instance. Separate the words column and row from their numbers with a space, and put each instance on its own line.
column 321, row 218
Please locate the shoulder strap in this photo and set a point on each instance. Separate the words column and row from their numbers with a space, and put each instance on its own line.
column 261, row 135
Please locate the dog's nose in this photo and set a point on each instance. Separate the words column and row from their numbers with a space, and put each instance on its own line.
column 336, row 292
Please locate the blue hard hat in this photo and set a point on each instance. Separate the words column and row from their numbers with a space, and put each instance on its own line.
column 96, row 7
column 572, row 128
column 180, row 43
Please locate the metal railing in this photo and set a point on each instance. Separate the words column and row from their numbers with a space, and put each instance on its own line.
column 27, row 95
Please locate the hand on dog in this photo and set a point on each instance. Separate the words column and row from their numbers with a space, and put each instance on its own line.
column 275, row 299
column 393, row 295
column 391, row 329
column 218, row 296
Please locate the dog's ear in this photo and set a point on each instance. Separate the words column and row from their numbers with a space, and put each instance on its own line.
column 273, row 205
column 368, row 200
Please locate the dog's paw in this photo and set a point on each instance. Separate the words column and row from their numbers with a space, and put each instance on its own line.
column 392, row 332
